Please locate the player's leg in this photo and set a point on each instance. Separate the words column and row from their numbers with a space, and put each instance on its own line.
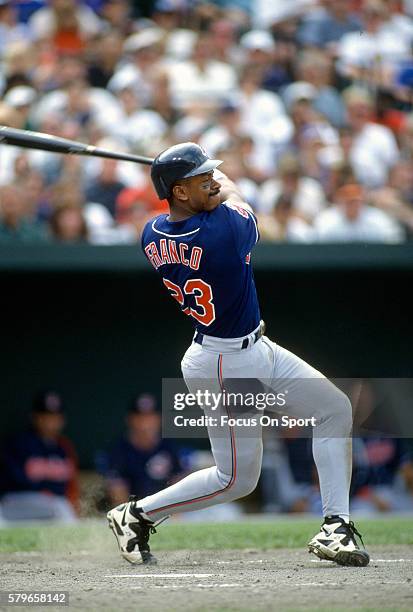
column 237, row 452
column 310, row 394
column 237, row 457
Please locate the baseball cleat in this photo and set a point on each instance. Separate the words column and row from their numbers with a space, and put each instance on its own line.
column 132, row 532
column 336, row 541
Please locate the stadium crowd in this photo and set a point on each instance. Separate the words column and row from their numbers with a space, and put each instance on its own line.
column 308, row 103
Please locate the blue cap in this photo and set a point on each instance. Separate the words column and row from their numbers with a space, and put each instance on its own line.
column 145, row 403
column 48, row 402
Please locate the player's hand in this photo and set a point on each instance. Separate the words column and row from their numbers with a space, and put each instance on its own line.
column 229, row 191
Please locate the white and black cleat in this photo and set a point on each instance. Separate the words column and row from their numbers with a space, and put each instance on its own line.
column 132, row 532
column 336, row 541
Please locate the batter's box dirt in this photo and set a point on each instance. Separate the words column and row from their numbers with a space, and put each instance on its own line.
column 224, row 580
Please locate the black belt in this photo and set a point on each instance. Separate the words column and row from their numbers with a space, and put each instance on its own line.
column 199, row 336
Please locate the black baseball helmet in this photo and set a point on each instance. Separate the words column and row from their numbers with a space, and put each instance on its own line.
column 178, row 162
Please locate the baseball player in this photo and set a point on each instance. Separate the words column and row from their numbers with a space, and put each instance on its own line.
column 202, row 252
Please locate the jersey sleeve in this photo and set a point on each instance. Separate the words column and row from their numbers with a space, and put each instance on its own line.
column 244, row 227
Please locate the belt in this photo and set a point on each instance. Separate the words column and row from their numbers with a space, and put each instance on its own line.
column 233, row 343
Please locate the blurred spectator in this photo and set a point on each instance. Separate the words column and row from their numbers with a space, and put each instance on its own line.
column 406, row 137
column 373, row 149
column 135, row 206
column 169, row 14
column 311, row 131
column 278, row 11
column 340, row 173
column 39, row 467
column 223, row 37
column 116, row 15
column 22, row 98
column 161, row 101
column 81, row 106
column 262, row 112
column 107, row 53
column 224, row 133
column 202, row 80
column 74, row 220
column 65, row 69
column 259, row 48
column 367, row 54
column 31, row 183
column 235, row 166
column 139, row 127
column 9, row 116
column 382, row 476
column 325, row 26
column 10, row 29
column 315, row 67
column 352, row 220
column 67, row 23
column 305, row 193
column 16, row 225
column 106, row 186
column 141, row 462
column 67, row 224
column 101, row 227
column 284, row 223
column 396, row 199
column 255, row 113
column 328, row 82
column 142, row 50
column 318, row 150
column 18, row 63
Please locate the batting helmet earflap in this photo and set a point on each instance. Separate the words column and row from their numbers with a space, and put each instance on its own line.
column 178, row 162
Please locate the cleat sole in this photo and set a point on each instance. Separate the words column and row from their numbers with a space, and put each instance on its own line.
column 355, row 558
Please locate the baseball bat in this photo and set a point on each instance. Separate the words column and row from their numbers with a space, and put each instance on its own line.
column 47, row 142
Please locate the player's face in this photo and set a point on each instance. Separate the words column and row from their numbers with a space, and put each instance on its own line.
column 144, row 429
column 48, row 425
column 198, row 193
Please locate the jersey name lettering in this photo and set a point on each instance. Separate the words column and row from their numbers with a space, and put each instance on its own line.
column 171, row 253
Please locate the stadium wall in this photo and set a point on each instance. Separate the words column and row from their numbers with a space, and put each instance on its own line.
column 95, row 324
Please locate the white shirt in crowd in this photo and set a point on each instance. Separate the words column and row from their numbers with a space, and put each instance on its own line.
column 374, row 151
column 102, row 105
column 141, row 129
column 260, row 112
column 367, row 50
column 309, row 198
column 189, row 85
column 371, row 225
column 43, row 22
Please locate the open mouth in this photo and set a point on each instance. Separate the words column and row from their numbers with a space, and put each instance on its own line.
column 214, row 193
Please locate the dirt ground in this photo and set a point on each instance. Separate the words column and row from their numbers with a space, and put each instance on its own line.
column 215, row 580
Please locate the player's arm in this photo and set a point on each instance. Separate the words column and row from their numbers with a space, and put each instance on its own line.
column 240, row 215
column 229, row 191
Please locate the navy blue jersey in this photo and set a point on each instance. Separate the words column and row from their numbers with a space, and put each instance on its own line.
column 30, row 463
column 204, row 262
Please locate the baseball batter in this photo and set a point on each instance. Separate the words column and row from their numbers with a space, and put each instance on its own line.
column 202, row 252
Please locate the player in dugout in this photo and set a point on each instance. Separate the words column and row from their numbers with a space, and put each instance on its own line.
column 38, row 467
column 202, row 250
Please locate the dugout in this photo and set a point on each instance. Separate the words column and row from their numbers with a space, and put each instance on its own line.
column 96, row 324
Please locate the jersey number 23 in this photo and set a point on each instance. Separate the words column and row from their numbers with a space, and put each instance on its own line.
column 204, row 310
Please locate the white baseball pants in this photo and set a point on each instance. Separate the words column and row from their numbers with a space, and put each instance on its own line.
column 237, row 451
